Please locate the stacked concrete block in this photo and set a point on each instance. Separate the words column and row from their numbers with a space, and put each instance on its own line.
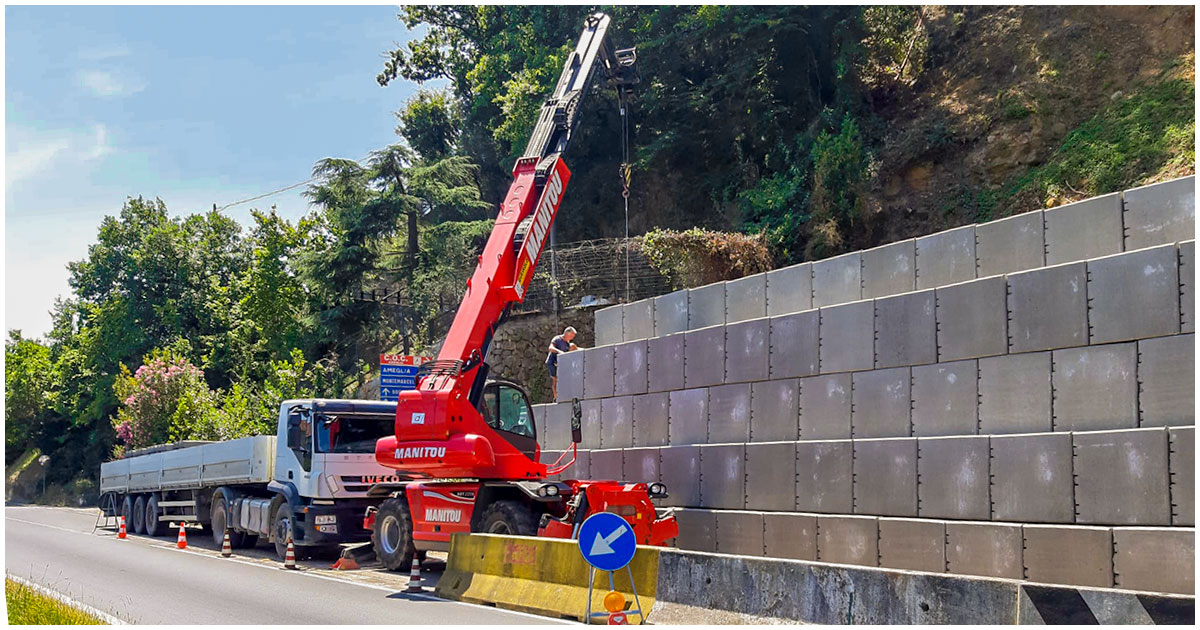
column 729, row 413
column 972, row 319
column 697, row 530
column 1121, row 477
column 1166, row 375
column 771, row 476
column 704, row 357
column 946, row 258
column 825, row 476
column 1154, row 559
column 664, row 363
column 706, row 306
column 640, row 465
column 1014, row 394
column 1060, row 554
column 905, row 330
column 592, row 412
column 607, row 465
column 953, row 478
column 1182, row 463
column 747, row 350
column 790, row 536
column 1013, row 244
column 775, row 410
column 616, row 423
column 688, row 416
column 945, row 399
column 789, row 290
column 1032, row 478
column 610, row 326
column 679, row 470
column 723, row 476
column 843, row 345
column 598, row 373
column 570, row 376
column 1047, row 308
column 1149, row 279
column 985, row 549
column 885, row 477
column 671, row 313
column 795, row 343
column 638, row 320
column 1095, row 387
column 630, row 367
column 889, row 269
column 556, row 426
column 825, row 407
column 837, row 280
column 881, row 404
column 1085, row 229
column 848, row 540
column 740, row 533
column 651, row 418
column 1187, row 287
column 746, row 298
column 1160, row 213
column 912, row 544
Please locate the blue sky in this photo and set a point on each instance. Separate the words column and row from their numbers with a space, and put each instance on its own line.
column 196, row 105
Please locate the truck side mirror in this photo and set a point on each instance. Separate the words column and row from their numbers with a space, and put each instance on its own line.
column 576, row 421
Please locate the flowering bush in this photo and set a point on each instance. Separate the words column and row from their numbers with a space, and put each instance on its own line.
column 150, row 398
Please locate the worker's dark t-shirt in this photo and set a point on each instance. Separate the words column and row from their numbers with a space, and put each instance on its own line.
column 562, row 344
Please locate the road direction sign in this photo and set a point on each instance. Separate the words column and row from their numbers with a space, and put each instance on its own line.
column 398, row 373
column 607, row 541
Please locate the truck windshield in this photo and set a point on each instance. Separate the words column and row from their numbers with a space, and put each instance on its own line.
column 357, row 433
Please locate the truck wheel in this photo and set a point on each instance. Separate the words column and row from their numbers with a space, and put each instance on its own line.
column 220, row 522
column 139, row 515
column 127, row 513
column 511, row 518
column 154, row 527
column 280, row 529
column 393, row 535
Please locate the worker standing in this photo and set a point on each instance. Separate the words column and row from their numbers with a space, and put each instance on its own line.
column 558, row 345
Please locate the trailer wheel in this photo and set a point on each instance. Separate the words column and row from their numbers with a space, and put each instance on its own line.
column 139, row 515
column 511, row 518
column 220, row 522
column 127, row 512
column 154, row 526
column 392, row 537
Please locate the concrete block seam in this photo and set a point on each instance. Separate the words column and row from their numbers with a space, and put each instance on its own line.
column 979, row 403
column 800, row 409
column 1053, row 398
column 1113, row 558
column 1179, row 271
column 1074, row 477
column 1008, row 314
column 1140, row 385
column 1088, row 299
column 991, row 484
column 852, row 436
column 1124, row 224
column 875, row 334
column 977, row 265
column 1171, row 475
column 937, row 330
column 820, row 354
column 918, row 462
column 1024, row 555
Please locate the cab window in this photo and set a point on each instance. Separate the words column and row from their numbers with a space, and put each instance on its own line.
column 505, row 409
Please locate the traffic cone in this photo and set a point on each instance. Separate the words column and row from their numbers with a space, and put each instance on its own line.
column 414, row 578
column 121, row 531
column 181, row 542
column 289, row 560
column 226, row 548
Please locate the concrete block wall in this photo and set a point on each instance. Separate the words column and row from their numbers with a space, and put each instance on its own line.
column 1051, row 405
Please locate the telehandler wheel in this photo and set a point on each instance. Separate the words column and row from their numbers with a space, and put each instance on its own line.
column 512, row 518
column 154, row 527
column 392, row 537
column 219, row 520
column 139, row 515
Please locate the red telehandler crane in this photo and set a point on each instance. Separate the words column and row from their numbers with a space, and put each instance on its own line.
column 466, row 447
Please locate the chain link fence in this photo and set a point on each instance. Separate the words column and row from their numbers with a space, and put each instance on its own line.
column 587, row 273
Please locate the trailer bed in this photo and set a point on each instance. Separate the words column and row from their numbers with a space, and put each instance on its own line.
column 234, row 462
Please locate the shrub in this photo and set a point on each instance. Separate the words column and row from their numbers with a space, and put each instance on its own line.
column 699, row 256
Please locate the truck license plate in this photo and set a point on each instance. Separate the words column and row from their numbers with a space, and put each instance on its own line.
column 325, row 519
column 327, row 529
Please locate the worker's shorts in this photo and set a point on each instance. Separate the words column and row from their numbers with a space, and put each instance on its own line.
column 553, row 368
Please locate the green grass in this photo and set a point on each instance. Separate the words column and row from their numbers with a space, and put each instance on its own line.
column 29, row 607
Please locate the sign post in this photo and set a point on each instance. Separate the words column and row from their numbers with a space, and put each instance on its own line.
column 607, row 542
column 397, row 373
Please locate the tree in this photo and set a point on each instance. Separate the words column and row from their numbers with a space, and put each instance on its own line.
column 27, row 381
column 430, row 124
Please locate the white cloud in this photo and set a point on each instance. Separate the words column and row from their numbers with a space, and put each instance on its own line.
column 31, row 160
column 31, row 153
column 107, row 84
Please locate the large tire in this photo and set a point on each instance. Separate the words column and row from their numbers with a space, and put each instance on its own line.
column 281, row 528
column 511, row 518
column 127, row 513
column 154, row 527
column 220, row 521
column 392, row 537
column 139, row 515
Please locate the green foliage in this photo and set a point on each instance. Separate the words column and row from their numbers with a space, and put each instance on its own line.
column 27, row 377
column 698, row 256
column 839, row 167
column 896, row 44
column 430, row 124
column 160, row 401
column 27, row 607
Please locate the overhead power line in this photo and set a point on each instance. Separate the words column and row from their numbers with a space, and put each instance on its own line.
column 277, row 191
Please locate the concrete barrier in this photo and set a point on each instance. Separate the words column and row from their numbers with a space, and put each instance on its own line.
column 544, row 576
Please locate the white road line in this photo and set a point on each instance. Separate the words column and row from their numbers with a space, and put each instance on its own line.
column 66, row 599
column 306, row 573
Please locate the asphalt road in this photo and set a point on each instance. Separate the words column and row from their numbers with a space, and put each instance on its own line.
column 148, row 581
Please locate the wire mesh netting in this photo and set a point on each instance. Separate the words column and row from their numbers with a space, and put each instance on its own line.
column 592, row 272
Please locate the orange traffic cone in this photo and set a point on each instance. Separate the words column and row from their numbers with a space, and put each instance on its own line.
column 414, row 578
column 289, row 560
column 121, row 531
column 226, row 548
column 181, row 542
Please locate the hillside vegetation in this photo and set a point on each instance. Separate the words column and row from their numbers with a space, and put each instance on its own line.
column 760, row 136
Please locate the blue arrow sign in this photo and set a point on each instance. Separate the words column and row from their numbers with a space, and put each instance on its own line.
column 607, row 541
